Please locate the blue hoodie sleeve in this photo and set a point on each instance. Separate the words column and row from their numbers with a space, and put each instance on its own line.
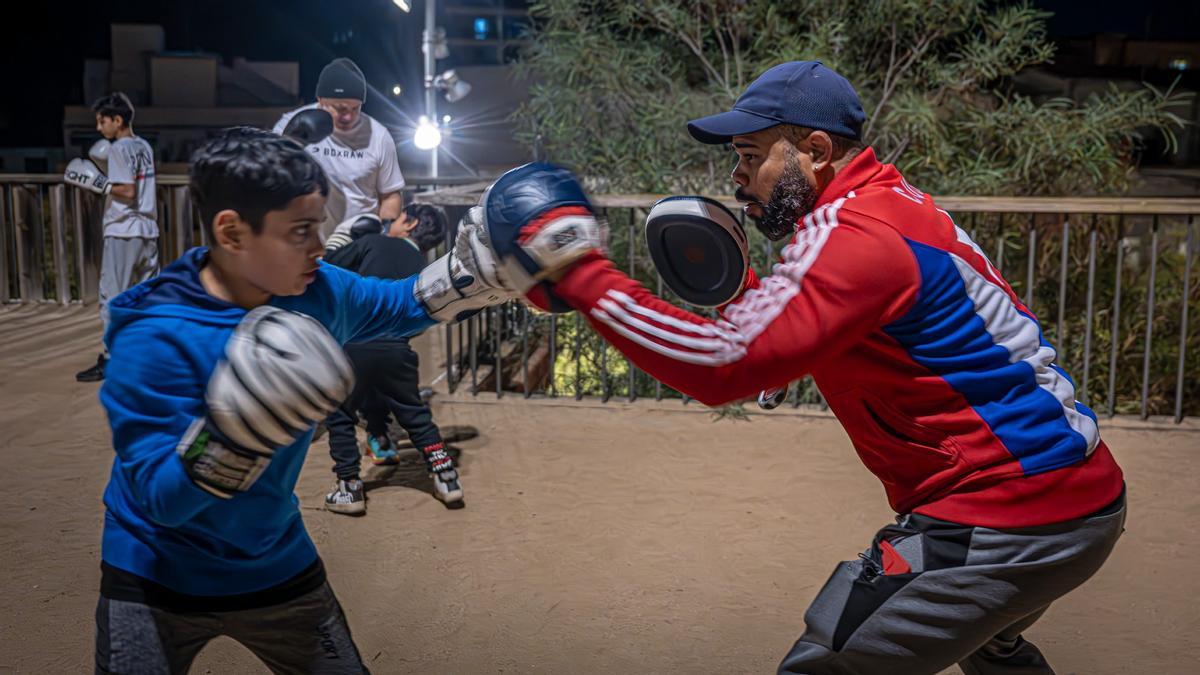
column 365, row 308
column 152, row 391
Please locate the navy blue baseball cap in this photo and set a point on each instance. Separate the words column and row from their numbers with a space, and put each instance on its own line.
column 803, row 93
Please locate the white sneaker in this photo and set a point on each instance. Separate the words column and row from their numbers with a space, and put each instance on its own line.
column 446, row 486
column 441, row 468
column 348, row 497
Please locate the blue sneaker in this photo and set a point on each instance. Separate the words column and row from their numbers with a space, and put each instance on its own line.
column 381, row 451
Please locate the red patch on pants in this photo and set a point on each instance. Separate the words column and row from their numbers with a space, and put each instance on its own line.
column 893, row 562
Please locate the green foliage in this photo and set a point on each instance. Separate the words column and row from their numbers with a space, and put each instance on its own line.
column 615, row 83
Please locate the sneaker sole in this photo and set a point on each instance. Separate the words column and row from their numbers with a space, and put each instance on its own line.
column 449, row 497
column 352, row 509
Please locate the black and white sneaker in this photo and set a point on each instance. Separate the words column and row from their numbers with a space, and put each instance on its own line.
column 93, row 374
column 349, row 497
column 446, row 486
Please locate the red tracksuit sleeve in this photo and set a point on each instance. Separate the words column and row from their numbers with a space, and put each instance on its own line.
column 841, row 277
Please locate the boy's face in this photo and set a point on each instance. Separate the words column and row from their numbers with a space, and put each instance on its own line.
column 282, row 258
column 108, row 126
column 402, row 226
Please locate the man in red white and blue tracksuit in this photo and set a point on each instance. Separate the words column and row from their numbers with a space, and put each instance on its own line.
column 949, row 392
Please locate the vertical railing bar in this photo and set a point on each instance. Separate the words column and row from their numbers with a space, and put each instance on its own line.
column 1091, row 292
column 1000, row 245
column 1116, row 321
column 450, row 357
column 1032, row 264
column 578, row 355
column 7, row 242
column 1149, row 317
column 658, row 392
column 525, row 351
column 77, row 235
column 1059, row 338
column 604, row 383
column 473, row 348
column 1183, row 320
column 20, row 262
column 62, row 264
column 632, row 275
column 553, row 388
column 499, row 370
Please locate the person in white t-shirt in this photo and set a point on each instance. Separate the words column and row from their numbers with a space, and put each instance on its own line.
column 359, row 157
column 130, row 231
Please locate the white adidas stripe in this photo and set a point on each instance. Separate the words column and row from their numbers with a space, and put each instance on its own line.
column 724, row 341
column 1020, row 337
column 704, row 359
column 704, row 344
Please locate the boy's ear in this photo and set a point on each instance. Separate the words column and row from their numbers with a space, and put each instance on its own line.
column 230, row 232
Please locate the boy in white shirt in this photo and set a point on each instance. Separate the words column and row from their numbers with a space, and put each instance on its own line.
column 130, row 232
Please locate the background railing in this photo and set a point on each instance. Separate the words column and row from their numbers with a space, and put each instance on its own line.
column 1111, row 279
column 51, row 236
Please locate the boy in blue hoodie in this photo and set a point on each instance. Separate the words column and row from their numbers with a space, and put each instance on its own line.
column 219, row 369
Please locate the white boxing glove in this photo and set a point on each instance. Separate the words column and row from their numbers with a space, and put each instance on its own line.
column 99, row 153
column 85, row 174
column 282, row 373
column 465, row 280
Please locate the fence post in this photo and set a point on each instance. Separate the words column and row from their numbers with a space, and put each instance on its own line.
column 6, row 241
column 26, row 240
column 62, row 263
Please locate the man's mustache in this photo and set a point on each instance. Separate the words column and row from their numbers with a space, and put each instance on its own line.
column 741, row 195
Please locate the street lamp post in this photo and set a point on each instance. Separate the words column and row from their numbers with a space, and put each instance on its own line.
column 427, row 43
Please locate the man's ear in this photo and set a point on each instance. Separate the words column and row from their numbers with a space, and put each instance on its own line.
column 230, row 231
column 822, row 148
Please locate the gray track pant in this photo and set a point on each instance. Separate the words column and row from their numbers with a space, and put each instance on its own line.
column 970, row 593
column 127, row 262
column 305, row 635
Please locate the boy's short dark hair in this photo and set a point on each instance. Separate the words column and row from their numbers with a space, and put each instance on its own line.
column 114, row 104
column 430, row 229
column 251, row 171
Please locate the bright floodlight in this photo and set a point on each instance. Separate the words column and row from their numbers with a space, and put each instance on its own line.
column 427, row 135
column 396, row 90
column 404, row 5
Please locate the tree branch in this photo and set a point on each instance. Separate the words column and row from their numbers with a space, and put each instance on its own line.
column 695, row 46
column 904, row 65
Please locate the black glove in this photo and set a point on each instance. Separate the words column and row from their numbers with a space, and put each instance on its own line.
column 309, row 126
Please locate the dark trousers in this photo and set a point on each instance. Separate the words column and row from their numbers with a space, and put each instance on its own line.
column 929, row 594
column 387, row 373
column 301, row 636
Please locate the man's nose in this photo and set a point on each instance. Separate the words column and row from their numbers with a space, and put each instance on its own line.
column 739, row 176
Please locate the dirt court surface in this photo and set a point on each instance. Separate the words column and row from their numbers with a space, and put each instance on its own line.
column 615, row 539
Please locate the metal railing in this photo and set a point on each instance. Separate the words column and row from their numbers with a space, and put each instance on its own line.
column 51, row 236
column 1110, row 279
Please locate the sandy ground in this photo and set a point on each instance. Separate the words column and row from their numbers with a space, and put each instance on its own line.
column 614, row 539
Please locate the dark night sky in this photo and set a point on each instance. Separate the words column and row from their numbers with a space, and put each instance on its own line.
column 386, row 46
column 386, row 43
